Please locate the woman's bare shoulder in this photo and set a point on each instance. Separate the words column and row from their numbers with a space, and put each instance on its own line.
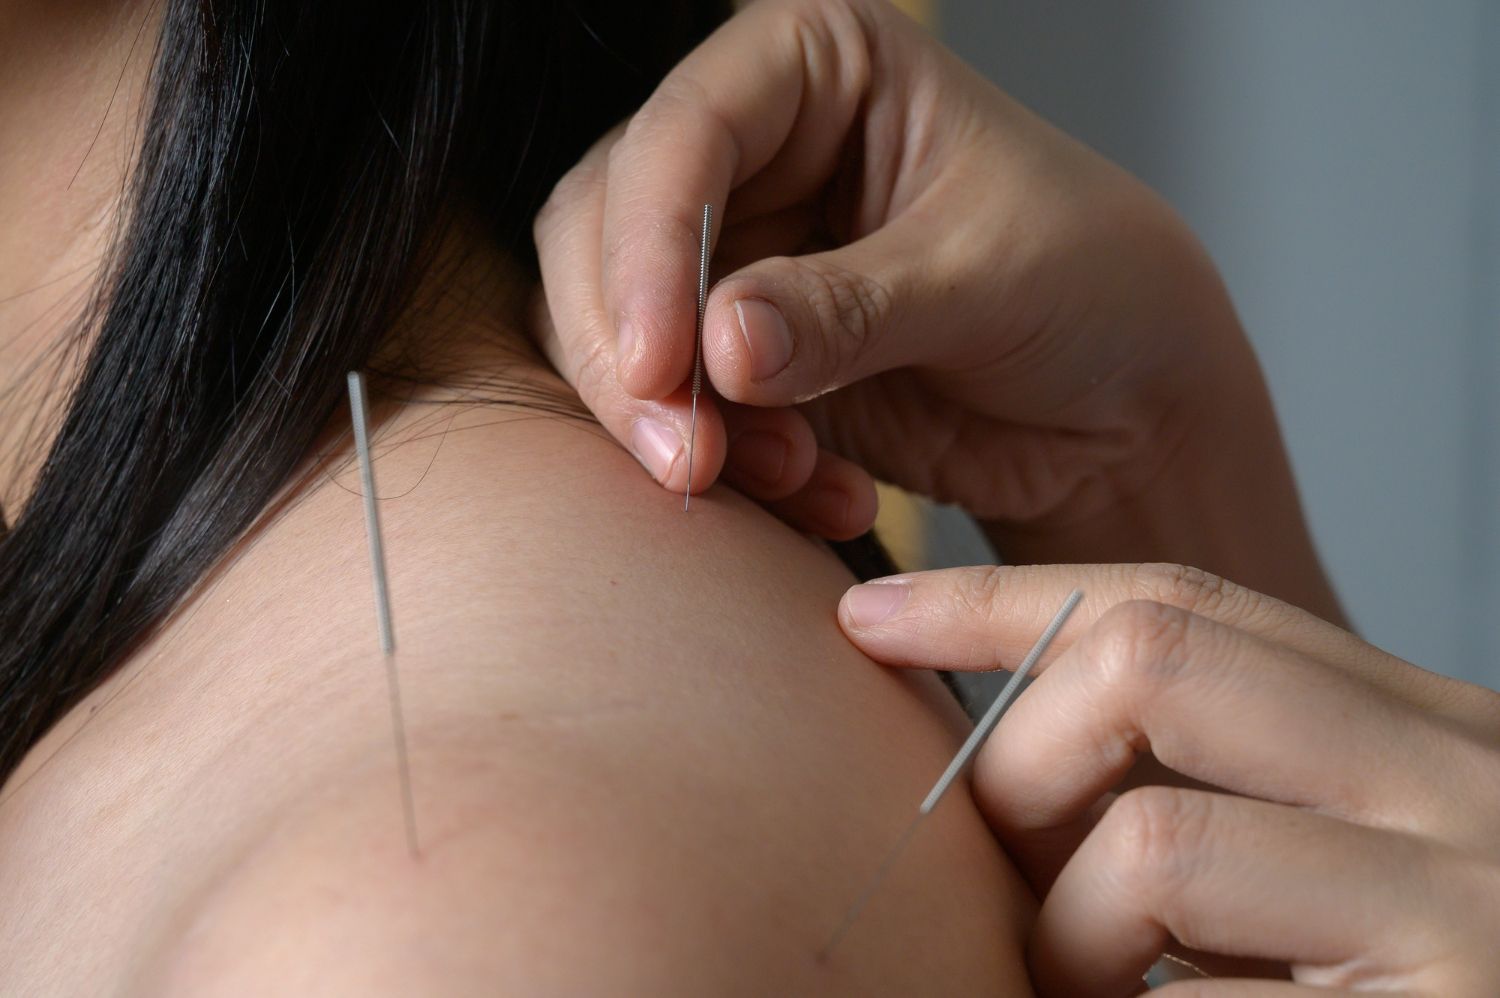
column 641, row 750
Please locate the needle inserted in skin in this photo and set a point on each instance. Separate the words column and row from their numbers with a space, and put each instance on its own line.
column 708, row 228
column 360, row 411
column 965, row 754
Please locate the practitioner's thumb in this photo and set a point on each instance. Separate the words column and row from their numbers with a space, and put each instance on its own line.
column 786, row 329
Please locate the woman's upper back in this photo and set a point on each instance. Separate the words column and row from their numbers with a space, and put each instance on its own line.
column 644, row 757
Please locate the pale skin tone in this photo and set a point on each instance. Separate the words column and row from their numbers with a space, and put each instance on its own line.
column 994, row 316
column 60, row 167
column 621, row 783
column 1018, row 326
column 154, row 836
column 624, row 781
column 1349, row 824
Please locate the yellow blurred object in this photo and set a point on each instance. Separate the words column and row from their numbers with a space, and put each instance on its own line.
column 923, row 10
column 901, row 528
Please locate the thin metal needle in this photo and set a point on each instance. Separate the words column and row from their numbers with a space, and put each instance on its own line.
column 359, row 409
column 992, row 716
column 960, row 760
column 708, row 228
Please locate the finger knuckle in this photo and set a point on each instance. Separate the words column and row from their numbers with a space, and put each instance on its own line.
column 835, row 40
column 850, row 308
column 572, row 189
column 1139, row 644
column 593, row 366
column 976, row 590
column 1185, row 587
column 1152, row 836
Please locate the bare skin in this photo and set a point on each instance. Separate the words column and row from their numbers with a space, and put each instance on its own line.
column 1343, row 813
column 624, row 778
column 922, row 282
column 72, row 76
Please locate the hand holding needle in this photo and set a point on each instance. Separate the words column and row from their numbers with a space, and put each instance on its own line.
column 961, row 760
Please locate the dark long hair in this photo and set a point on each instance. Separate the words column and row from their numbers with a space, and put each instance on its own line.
column 296, row 159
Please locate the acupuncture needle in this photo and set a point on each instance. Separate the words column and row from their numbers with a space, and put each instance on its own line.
column 708, row 227
column 965, row 754
column 359, row 409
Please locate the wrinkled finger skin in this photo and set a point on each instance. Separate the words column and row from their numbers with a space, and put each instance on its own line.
column 1340, row 808
column 568, row 323
column 954, row 296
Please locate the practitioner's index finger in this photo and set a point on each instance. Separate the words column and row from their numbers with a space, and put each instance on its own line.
column 983, row 617
column 719, row 117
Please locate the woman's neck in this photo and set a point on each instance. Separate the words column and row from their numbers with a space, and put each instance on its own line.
column 72, row 85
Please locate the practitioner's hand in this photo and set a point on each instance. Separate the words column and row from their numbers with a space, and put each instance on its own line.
column 1003, row 319
column 1350, row 822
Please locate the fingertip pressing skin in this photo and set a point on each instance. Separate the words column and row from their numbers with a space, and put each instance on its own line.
column 658, row 446
column 968, row 619
column 660, row 442
column 877, row 618
column 872, row 603
column 881, row 616
column 591, row 345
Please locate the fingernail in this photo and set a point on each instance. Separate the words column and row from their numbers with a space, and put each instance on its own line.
column 656, row 446
column 830, row 507
column 874, row 602
column 766, row 337
column 759, row 455
column 625, row 342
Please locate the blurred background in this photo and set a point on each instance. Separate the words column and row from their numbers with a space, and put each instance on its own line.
column 1341, row 160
